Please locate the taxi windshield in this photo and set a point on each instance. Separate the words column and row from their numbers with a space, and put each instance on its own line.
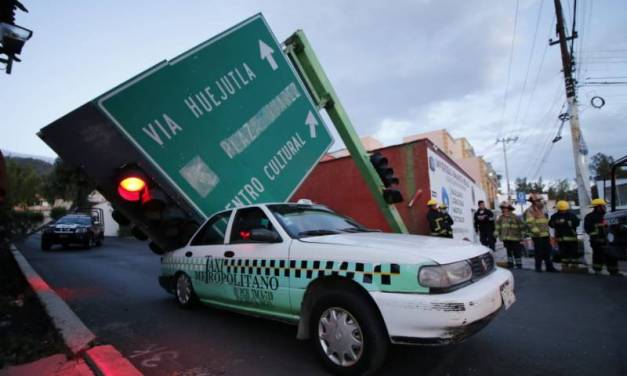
column 307, row 220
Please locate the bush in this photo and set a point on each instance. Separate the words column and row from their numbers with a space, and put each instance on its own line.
column 57, row 212
column 21, row 223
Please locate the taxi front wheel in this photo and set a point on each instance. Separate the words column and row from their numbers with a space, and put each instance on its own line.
column 184, row 291
column 348, row 334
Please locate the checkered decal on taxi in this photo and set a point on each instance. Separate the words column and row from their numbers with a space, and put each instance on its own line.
column 365, row 273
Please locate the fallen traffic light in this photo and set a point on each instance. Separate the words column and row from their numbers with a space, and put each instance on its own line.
column 386, row 173
column 150, row 210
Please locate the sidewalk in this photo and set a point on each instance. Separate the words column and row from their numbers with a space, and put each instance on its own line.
column 82, row 356
column 500, row 256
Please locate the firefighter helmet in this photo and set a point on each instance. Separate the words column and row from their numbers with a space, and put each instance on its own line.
column 432, row 202
column 562, row 205
column 598, row 202
column 506, row 204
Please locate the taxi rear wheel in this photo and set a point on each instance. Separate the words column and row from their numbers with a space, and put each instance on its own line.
column 184, row 291
column 348, row 334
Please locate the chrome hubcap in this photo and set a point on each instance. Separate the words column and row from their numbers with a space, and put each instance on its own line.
column 183, row 289
column 340, row 336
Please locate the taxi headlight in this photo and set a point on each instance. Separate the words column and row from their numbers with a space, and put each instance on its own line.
column 443, row 276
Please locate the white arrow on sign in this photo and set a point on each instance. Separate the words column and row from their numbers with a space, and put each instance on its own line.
column 312, row 122
column 265, row 52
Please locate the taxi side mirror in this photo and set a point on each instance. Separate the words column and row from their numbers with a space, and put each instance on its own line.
column 264, row 236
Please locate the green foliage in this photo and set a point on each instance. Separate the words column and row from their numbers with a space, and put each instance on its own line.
column 16, row 224
column 522, row 185
column 24, row 184
column 69, row 183
column 601, row 167
column 42, row 168
column 58, row 212
column 563, row 190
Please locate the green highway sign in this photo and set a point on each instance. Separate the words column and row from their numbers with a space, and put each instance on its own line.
column 228, row 122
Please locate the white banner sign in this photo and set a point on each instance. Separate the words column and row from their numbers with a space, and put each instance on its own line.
column 451, row 187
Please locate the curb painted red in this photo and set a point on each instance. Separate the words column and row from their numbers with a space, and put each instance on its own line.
column 107, row 361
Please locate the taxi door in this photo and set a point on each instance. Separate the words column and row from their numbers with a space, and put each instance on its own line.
column 204, row 253
column 256, row 262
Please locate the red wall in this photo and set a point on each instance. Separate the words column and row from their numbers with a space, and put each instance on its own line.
column 338, row 184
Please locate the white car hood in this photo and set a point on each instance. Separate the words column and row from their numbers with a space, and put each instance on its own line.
column 404, row 248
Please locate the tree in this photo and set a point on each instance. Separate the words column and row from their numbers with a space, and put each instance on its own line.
column 522, row 185
column 538, row 186
column 563, row 190
column 24, row 184
column 69, row 183
column 601, row 166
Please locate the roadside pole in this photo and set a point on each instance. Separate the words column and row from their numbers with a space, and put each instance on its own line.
column 306, row 63
column 504, row 141
column 581, row 166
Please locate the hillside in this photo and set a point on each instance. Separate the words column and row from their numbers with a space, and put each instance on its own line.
column 41, row 167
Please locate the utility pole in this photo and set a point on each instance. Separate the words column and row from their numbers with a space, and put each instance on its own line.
column 581, row 165
column 505, row 141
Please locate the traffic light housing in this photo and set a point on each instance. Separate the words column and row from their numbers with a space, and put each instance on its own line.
column 386, row 173
column 153, row 210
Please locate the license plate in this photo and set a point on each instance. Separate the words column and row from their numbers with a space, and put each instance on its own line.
column 63, row 236
column 507, row 294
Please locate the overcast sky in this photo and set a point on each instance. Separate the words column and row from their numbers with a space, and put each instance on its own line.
column 399, row 67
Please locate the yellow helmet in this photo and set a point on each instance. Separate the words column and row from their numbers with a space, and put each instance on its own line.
column 598, row 202
column 432, row 202
column 562, row 205
column 443, row 206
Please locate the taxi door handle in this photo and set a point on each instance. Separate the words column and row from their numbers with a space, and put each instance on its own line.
column 229, row 254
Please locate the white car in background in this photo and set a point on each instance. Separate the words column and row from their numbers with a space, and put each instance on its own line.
column 350, row 289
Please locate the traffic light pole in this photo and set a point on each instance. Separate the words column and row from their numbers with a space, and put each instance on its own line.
column 306, row 63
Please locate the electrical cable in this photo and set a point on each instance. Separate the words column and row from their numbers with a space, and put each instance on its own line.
column 509, row 70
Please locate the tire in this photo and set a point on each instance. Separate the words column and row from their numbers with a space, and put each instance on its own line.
column 347, row 313
column 184, row 292
column 45, row 245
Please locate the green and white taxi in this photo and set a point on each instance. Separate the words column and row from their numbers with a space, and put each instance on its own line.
column 350, row 289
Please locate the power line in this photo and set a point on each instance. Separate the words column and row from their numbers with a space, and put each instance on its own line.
column 533, row 47
column 509, row 69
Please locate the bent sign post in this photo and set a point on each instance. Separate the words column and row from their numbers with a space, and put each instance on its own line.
column 228, row 123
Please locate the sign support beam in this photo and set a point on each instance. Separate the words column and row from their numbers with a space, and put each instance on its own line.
column 306, row 63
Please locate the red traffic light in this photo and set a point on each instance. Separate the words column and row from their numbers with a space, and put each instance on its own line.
column 131, row 185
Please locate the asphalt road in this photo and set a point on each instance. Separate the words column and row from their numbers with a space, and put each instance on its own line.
column 560, row 325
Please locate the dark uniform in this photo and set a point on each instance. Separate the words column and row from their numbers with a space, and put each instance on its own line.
column 595, row 226
column 484, row 224
column 436, row 223
column 447, row 224
column 565, row 225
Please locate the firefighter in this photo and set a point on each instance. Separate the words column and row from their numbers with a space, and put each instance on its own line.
column 595, row 225
column 447, row 223
column 435, row 219
column 538, row 228
column 565, row 225
column 511, row 230
column 484, row 225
